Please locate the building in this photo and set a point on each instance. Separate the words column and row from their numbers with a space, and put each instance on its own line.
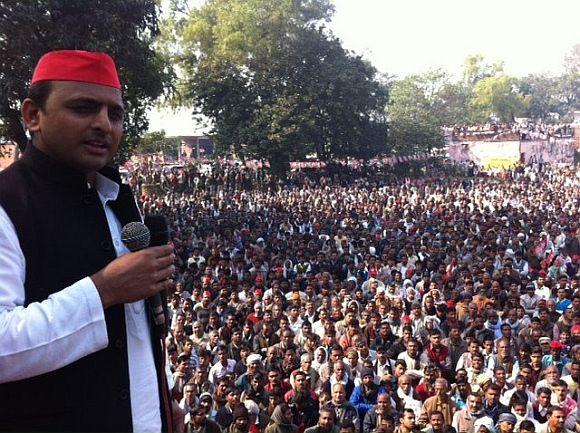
column 195, row 147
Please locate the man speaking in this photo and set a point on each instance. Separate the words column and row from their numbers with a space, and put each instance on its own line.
column 76, row 350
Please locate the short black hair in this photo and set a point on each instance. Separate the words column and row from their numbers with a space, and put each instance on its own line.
column 204, row 352
column 552, row 409
column 544, row 390
column 232, row 390
column 527, row 425
column 329, row 411
column 401, row 362
column 39, row 93
column 389, row 418
column 183, row 358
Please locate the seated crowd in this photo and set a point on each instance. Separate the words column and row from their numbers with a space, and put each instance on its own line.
column 374, row 303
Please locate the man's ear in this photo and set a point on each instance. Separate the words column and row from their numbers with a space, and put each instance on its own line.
column 31, row 115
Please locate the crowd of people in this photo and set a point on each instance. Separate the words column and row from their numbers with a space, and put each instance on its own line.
column 524, row 131
column 364, row 300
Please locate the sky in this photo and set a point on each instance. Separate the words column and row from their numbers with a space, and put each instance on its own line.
column 402, row 37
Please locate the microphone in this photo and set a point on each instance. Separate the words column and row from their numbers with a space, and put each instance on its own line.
column 158, row 229
column 159, row 233
column 137, row 236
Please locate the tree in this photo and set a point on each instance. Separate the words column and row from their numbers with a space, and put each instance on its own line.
column 157, row 141
column 568, row 85
column 276, row 84
column 572, row 60
column 415, row 112
column 496, row 96
column 540, row 96
column 453, row 102
column 340, row 95
column 474, row 69
column 126, row 29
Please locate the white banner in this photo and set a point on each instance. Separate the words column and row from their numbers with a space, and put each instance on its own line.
column 487, row 154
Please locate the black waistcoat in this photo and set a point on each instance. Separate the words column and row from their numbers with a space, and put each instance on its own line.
column 63, row 232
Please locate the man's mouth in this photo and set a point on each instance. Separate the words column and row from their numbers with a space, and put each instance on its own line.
column 97, row 144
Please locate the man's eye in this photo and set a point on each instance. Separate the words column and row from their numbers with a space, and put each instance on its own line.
column 116, row 116
column 83, row 108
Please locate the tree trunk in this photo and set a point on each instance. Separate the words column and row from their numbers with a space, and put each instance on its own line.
column 15, row 130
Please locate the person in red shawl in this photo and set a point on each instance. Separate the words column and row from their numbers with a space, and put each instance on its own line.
column 436, row 353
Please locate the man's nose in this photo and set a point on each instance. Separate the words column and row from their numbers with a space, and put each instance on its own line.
column 101, row 120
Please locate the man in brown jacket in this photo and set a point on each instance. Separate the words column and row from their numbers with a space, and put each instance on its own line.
column 440, row 401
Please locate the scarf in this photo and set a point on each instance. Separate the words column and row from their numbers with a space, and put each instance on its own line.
column 514, row 325
column 485, row 421
column 496, row 328
column 334, row 380
column 437, row 357
column 278, row 417
column 527, row 416
column 315, row 363
column 409, row 402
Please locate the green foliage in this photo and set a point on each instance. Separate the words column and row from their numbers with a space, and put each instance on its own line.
column 415, row 116
column 452, row 107
column 157, row 141
column 125, row 29
column 492, row 93
column 277, row 85
column 496, row 96
column 569, row 84
column 245, row 31
column 474, row 69
column 540, row 96
column 572, row 60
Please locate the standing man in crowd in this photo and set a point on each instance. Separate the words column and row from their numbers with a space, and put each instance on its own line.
column 75, row 325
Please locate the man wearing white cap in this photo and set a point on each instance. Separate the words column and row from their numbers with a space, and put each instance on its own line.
column 484, row 425
column 254, row 363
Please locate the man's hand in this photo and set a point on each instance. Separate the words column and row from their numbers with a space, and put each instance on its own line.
column 135, row 276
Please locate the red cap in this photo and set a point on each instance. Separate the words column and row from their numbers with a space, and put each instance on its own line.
column 258, row 292
column 75, row 65
column 207, row 294
column 450, row 304
column 556, row 345
column 280, row 269
column 373, row 272
column 406, row 319
column 575, row 329
column 542, row 272
column 259, row 278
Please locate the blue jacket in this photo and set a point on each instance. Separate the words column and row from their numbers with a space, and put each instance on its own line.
column 363, row 403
